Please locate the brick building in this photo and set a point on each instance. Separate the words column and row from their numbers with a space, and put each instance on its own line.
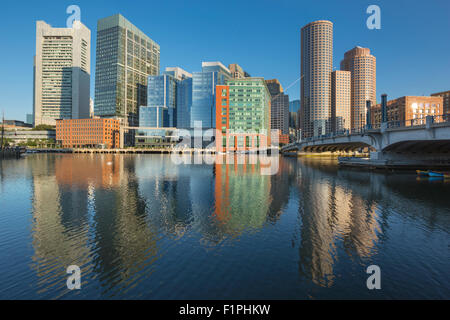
column 88, row 133
column 408, row 110
column 446, row 102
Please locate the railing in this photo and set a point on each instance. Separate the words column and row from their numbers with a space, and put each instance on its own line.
column 419, row 121
column 391, row 124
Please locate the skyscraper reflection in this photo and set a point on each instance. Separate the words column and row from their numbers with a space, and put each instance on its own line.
column 332, row 216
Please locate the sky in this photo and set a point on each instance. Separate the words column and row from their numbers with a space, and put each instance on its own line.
column 263, row 36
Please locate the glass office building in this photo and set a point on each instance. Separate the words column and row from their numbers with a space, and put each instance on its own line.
column 184, row 103
column 243, row 114
column 125, row 57
column 294, row 106
column 162, row 96
column 204, row 92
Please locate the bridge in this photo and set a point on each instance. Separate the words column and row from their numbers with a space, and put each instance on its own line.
column 414, row 143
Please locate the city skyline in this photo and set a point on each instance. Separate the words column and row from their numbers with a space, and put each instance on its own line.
column 177, row 49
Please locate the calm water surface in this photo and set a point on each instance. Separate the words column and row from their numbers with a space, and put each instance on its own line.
column 141, row 227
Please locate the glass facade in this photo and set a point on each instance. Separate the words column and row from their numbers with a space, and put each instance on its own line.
column 184, row 103
column 162, row 96
column 125, row 57
column 249, row 105
column 243, row 114
column 204, row 92
column 294, row 106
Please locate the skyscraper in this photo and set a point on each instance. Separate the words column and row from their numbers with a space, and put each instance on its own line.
column 315, row 87
column 184, row 103
column 279, row 115
column 183, row 96
column 340, row 100
column 362, row 66
column 204, row 92
column 61, row 73
column 162, row 101
column 125, row 58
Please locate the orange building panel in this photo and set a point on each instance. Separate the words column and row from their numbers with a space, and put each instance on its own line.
column 88, row 133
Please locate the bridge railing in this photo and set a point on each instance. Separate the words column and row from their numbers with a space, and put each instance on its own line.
column 391, row 124
column 419, row 121
column 441, row 118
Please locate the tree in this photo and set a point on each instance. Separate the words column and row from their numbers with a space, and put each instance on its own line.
column 43, row 127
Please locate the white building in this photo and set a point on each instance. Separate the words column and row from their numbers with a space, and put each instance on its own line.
column 61, row 73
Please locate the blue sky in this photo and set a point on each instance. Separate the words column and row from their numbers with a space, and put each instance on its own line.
column 412, row 48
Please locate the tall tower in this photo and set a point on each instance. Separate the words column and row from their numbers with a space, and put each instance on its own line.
column 316, row 68
column 340, row 100
column 362, row 66
column 279, row 107
column 62, row 68
column 125, row 57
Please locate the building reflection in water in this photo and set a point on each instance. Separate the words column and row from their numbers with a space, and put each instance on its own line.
column 332, row 216
column 118, row 216
column 59, row 232
column 242, row 196
column 87, row 212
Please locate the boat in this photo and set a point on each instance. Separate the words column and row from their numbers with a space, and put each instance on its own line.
column 435, row 174
column 422, row 173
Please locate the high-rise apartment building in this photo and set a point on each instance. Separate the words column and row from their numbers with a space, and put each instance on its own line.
column 125, row 58
column 340, row 101
column 446, row 100
column 362, row 66
column 315, row 86
column 61, row 73
column 242, row 123
column 204, row 92
column 279, row 115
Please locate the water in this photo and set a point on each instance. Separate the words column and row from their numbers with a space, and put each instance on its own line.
column 141, row 227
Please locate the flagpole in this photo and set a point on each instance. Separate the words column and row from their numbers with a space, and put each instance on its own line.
column 3, row 130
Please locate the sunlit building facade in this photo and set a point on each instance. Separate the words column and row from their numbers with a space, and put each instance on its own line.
column 446, row 100
column 125, row 58
column 243, row 115
column 340, row 101
column 279, row 114
column 61, row 73
column 362, row 66
column 237, row 72
column 88, row 133
column 315, row 86
column 408, row 110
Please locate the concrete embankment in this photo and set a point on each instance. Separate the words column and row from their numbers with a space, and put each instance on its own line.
column 391, row 164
